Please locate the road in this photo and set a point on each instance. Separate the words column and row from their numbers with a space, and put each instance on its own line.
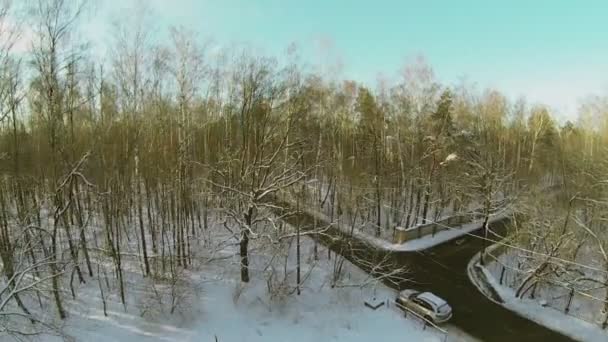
column 442, row 270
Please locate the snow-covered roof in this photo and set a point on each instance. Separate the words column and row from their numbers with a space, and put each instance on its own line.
column 431, row 298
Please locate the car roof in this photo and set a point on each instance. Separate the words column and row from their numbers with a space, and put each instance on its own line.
column 431, row 298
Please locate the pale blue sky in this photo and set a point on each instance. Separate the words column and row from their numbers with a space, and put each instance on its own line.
column 553, row 52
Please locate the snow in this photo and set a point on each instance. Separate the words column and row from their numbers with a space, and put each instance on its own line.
column 391, row 216
column 213, row 305
column 414, row 245
column 319, row 313
column 443, row 236
column 587, row 301
column 531, row 309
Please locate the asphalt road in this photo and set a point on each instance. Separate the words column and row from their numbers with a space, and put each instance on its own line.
column 442, row 270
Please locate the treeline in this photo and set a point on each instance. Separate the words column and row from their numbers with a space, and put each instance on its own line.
column 139, row 146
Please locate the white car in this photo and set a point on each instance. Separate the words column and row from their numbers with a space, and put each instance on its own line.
column 425, row 304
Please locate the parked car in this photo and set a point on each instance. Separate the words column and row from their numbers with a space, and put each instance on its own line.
column 425, row 304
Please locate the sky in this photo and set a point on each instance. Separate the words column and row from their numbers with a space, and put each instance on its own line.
column 552, row 52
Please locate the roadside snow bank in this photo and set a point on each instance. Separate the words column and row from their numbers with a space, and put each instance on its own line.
column 555, row 320
column 414, row 245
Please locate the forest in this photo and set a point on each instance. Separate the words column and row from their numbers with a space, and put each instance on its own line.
column 123, row 163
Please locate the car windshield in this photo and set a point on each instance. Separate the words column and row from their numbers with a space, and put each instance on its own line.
column 444, row 309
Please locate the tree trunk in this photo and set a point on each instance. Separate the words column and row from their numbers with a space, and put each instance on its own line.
column 378, row 185
column 410, row 203
column 417, row 209
column 298, row 280
column 427, row 197
column 142, row 232
column 55, row 280
column 83, row 239
column 244, row 246
column 485, row 239
column 71, row 246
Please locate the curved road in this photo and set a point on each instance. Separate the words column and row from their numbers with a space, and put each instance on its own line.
column 442, row 270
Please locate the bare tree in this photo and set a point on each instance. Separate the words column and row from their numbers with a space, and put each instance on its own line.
column 488, row 181
column 54, row 20
column 9, row 65
column 265, row 161
column 25, row 277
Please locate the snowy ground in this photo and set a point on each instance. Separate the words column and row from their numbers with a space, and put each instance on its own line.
column 213, row 305
column 532, row 309
column 587, row 300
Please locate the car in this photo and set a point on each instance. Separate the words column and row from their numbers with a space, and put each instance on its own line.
column 425, row 304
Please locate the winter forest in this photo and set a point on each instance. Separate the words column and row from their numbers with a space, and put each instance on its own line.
column 127, row 180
